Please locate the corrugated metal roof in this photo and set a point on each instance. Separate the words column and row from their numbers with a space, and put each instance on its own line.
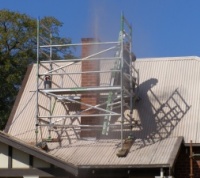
column 23, row 121
column 103, row 153
column 169, row 92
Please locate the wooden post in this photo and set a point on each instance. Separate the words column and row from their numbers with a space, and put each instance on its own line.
column 191, row 160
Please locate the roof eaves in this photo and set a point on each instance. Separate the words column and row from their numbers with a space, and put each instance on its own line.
column 124, row 166
column 176, row 149
column 18, row 144
column 193, row 144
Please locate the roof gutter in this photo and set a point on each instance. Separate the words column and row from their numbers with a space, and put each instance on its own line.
column 124, row 166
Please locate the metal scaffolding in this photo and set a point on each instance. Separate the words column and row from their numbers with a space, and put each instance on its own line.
column 59, row 89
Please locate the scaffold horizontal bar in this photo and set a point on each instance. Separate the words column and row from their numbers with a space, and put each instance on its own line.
column 80, row 89
column 78, row 44
column 80, row 59
column 96, row 126
column 92, row 55
column 64, row 99
column 77, row 115
column 87, row 72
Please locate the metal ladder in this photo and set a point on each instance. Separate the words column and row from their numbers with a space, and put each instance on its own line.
column 110, row 101
column 124, row 37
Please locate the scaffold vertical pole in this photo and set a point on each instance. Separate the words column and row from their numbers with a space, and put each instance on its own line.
column 121, row 76
column 37, row 81
column 50, row 98
column 131, row 77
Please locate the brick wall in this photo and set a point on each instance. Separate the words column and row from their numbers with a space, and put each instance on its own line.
column 89, row 80
column 182, row 166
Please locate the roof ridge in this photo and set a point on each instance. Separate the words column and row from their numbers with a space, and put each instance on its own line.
column 168, row 58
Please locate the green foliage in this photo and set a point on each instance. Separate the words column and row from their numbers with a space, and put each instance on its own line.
column 17, row 50
column 50, row 25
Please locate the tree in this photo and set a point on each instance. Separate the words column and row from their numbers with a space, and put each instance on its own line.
column 17, row 50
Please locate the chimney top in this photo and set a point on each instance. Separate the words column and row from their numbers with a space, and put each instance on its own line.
column 87, row 40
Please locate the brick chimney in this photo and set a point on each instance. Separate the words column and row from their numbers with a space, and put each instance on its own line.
column 89, row 80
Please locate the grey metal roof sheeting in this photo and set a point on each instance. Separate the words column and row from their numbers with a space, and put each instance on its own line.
column 169, row 91
column 168, row 109
column 102, row 153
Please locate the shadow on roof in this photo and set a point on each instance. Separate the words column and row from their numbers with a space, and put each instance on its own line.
column 154, row 117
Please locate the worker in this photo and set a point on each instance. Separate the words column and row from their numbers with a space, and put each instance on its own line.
column 47, row 82
column 127, row 56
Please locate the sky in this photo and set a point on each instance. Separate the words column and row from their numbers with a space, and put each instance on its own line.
column 161, row 28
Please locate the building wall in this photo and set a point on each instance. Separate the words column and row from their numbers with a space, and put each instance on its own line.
column 182, row 166
column 19, row 159
column 38, row 163
column 3, row 155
